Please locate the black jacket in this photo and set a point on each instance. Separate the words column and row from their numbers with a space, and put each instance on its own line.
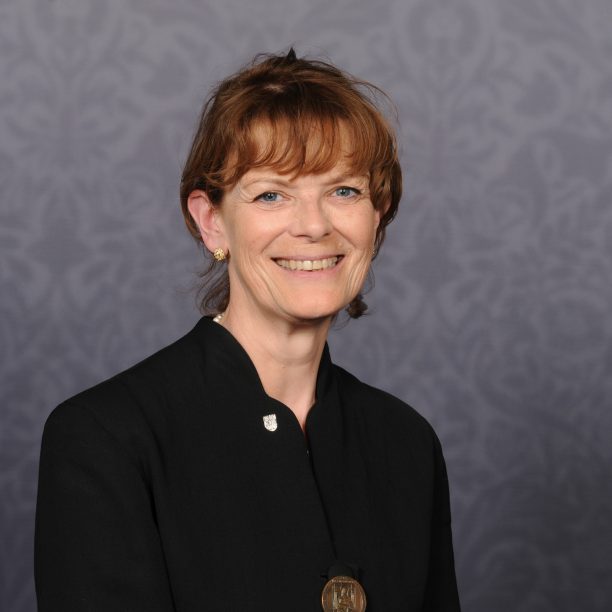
column 161, row 489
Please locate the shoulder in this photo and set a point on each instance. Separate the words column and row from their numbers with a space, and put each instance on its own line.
column 376, row 403
column 394, row 422
column 166, row 370
column 133, row 403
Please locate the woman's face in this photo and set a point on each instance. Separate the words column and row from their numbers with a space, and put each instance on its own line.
column 300, row 247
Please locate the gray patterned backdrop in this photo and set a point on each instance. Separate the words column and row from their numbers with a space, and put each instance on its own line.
column 492, row 312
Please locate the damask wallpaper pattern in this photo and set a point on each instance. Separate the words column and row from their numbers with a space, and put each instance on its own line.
column 491, row 311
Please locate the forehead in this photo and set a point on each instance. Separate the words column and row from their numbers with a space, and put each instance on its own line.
column 298, row 148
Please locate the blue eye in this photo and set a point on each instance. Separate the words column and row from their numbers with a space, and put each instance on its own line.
column 268, row 196
column 346, row 192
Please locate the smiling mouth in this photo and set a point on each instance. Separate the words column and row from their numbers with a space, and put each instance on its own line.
column 308, row 265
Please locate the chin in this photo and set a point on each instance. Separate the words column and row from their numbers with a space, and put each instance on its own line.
column 315, row 313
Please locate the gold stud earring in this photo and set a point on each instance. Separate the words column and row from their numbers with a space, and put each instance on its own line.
column 219, row 254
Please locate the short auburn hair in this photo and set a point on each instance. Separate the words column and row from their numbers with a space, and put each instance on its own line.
column 311, row 113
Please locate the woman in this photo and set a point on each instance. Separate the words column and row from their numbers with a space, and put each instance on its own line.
column 239, row 469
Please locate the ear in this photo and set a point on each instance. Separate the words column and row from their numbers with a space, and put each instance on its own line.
column 206, row 217
column 386, row 206
column 381, row 212
column 378, row 215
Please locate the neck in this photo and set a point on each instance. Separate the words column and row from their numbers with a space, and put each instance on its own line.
column 286, row 355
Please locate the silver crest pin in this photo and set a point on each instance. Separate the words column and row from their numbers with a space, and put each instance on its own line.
column 270, row 422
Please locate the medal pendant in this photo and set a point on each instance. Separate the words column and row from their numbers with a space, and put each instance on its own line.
column 343, row 594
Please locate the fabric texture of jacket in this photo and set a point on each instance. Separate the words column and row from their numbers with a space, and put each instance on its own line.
column 164, row 489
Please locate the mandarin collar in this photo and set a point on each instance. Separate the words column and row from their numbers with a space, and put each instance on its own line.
column 228, row 364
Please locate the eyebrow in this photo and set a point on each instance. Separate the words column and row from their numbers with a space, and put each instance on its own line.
column 335, row 180
column 346, row 178
column 267, row 179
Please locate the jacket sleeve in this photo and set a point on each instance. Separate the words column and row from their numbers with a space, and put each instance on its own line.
column 97, row 547
column 441, row 592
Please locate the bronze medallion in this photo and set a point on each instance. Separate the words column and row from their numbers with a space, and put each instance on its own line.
column 343, row 594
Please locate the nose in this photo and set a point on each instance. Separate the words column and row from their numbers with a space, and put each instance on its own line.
column 311, row 219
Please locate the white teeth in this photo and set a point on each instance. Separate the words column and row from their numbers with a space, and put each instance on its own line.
column 307, row 264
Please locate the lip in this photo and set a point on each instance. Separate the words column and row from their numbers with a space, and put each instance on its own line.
column 308, row 264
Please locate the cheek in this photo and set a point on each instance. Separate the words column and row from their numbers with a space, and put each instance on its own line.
column 362, row 236
column 362, row 229
column 243, row 235
column 248, row 246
